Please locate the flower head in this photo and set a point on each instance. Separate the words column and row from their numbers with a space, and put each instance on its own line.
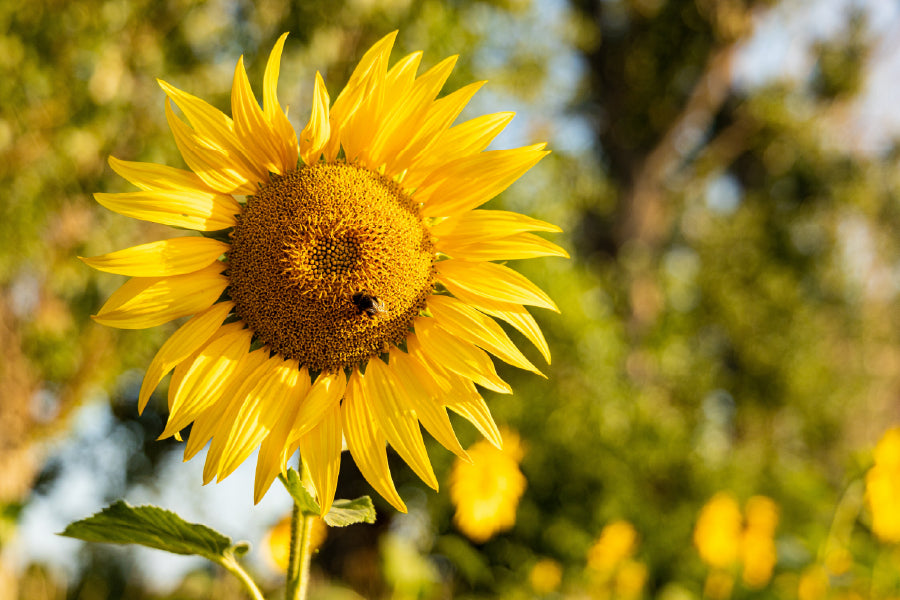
column 344, row 288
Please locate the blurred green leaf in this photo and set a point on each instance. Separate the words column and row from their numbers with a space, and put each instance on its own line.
column 154, row 527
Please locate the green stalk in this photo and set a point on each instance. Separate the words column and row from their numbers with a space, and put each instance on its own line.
column 301, row 550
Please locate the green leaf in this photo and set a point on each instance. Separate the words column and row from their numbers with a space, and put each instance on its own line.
column 154, row 527
column 295, row 487
column 348, row 512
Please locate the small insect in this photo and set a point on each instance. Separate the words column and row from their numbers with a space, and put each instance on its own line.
column 369, row 305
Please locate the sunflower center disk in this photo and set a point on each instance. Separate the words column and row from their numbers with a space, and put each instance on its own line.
column 330, row 264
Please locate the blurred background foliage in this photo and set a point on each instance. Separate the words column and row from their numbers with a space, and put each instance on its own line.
column 729, row 328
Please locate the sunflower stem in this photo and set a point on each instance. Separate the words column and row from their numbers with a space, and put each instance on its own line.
column 301, row 550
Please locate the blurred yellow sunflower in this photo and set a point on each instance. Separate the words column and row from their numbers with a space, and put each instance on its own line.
column 345, row 287
column 486, row 490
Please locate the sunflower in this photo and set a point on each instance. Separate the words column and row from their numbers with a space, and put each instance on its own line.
column 343, row 287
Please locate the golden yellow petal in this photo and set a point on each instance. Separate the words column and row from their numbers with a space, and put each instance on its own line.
column 354, row 93
column 514, row 314
column 254, row 133
column 458, row 393
column 469, row 182
column 262, row 408
column 360, row 127
column 478, row 225
column 458, row 142
column 321, row 452
column 366, row 441
column 397, row 419
column 439, row 117
column 149, row 301
column 233, row 403
column 457, row 355
column 201, row 211
column 210, row 162
column 518, row 246
column 317, row 132
column 182, row 344
column 273, row 450
column 327, row 391
column 208, row 376
column 493, row 281
column 182, row 368
column 216, row 129
column 408, row 109
column 164, row 258
column 400, row 78
column 423, row 397
column 472, row 326
column 222, row 410
column 276, row 117
column 150, row 176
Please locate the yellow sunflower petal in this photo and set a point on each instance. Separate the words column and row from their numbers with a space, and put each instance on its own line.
column 327, row 391
column 201, row 211
column 366, row 441
column 458, row 142
column 519, row 246
column 263, row 407
column 439, row 117
column 257, row 138
column 149, row 176
column 400, row 78
column 457, row 355
column 360, row 126
column 233, row 402
column 475, row 410
column 182, row 368
column 207, row 377
column 210, row 420
column 282, row 127
column 317, row 132
column 409, row 108
column 421, row 394
column 396, row 419
column 493, row 281
column 472, row 326
column 478, row 225
column 181, row 345
column 149, row 301
column 354, row 94
column 217, row 130
column 514, row 314
column 272, row 452
column 458, row 393
column 164, row 258
column 321, row 452
column 469, row 182
column 210, row 162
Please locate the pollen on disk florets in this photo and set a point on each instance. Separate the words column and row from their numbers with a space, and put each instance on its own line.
column 310, row 244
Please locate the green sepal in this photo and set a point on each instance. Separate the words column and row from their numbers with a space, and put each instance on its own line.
column 154, row 527
column 342, row 512
column 221, row 235
column 349, row 512
column 295, row 487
